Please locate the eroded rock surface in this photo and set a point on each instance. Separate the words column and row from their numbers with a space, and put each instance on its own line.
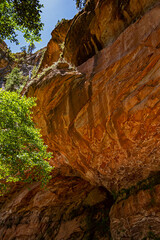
column 55, row 45
column 105, row 118
column 69, row 208
column 99, row 24
column 137, row 217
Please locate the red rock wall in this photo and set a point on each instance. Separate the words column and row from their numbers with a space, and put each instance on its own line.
column 106, row 122
column 69, row 208
column 55, row 45
column 99, row 25
column 104, row 119
column 138, row 216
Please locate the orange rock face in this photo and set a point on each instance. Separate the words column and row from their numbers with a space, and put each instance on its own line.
column 103, row 121
column 105, row 118
column 55, row 45
column 99, row 24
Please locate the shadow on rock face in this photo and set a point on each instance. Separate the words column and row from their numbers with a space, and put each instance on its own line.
column 69, row 208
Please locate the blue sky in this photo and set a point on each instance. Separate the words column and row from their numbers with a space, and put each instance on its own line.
column 53, row 11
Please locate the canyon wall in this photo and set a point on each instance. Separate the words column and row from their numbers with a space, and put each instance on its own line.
column 101, row 120
column 69, row 208
column 24, row 61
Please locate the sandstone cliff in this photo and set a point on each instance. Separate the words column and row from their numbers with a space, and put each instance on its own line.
column 102, row 122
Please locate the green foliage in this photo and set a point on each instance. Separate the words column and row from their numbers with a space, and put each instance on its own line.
column 31, row 48
column 23, row 49
column 34, row 71
column 22, row 152
column 14, row 80
column 80, row 3
column 20, row 15
column 59, row 22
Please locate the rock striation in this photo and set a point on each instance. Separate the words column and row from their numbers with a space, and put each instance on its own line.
column 104, row 118
column 102, row 122
column 99, row 25
column 137, row 217
column 55, row 45
column 69, row 208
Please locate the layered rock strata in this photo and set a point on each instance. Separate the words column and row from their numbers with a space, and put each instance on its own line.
column 69, row 208
column 55, row 45
column 99, row 25
column 137, row 217
column 105, row 118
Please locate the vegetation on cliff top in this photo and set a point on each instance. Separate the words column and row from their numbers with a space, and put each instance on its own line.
column 80, row 3
column 22, row 151
column 24, row 16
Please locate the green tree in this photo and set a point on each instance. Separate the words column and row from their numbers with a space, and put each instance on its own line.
column 80, row 3
column 31, row 48
column 23, row 49
column 22, row 152
column 20, row 15
column 14, row 80
column 60, row 22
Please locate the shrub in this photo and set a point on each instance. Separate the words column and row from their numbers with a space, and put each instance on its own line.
column 60, row 22
column 31, row 48
column 22, row 151
column 80, row 3
column 14, row 80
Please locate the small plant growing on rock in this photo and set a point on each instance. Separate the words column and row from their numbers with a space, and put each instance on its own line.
column 80, row 3
column 60, row 22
